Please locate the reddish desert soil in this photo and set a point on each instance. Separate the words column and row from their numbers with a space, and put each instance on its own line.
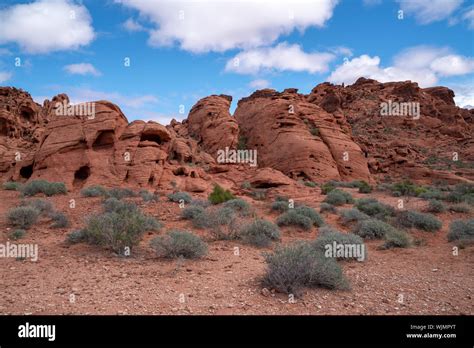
column 430, row 278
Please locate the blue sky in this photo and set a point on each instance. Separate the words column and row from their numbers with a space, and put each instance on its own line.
column 180, row 51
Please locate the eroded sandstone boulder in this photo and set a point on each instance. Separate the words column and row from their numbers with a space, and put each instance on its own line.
column 299, row 138
column 428, row 140
column 211, row 124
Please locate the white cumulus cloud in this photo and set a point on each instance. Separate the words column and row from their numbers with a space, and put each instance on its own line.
column 259, row 84
column 464, row 95
column 422, row 64
column 132, row 25
column 203, row 26
column 81, row 95
column 428, row 11
column 82, row 69
column 283, row 57
column 46, row 25
column 372, row 2
column 469, row 17
column 5, row 76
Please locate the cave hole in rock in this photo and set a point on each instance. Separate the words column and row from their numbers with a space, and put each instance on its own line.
column 179, row 171
column 265, row 185
column 26, row 172
column 151, row 137
column 303, row 176
column 286, row 125
column 81, row 175
column 3, row 127
column 151, row 180
column 105, row 139
column 26, row 114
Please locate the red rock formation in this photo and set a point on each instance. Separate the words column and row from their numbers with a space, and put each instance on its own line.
column 299, row 138
column 334, row 132
column 394, row 143
column 211, row 124
column 22, row 123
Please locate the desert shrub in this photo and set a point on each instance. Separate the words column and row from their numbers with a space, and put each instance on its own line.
column 326, row 188
column 76, row 236
column 238, row 205
column 42, row 186
column 200, row 202
column 295, row 266
column 364, row 187
column 148, row 196
column 280, row 198
column 246, row 185
column 11, row 186
column 419, row 190
column 42, row 205
column 384, row 187
column 348, row 239
column 460, row 208
column 310, row 184
column 309, row 212
column 280, row 206
column 352, row 215
column 259, row 194
column 406, row 188
column 372, row 229
column 423, row 221
column 327, row 229
column 314, row 131
column 374, row 208
column 179, row 244
column 94, row 191
column 259, row 233
column 461, row 230
column 469, row 198
column 221, row 215
column 462, row 193
column 23, row 217
column 292, row 218
column 60, row 220
column 119, row 193
column 347, row 184
column 118, row 229
column 242, row 143
column 16, row 234
column 152, row 224
column 115, row 205
column 327, row 207
column 338, row 197
column 396, row 239
column 220, row 195
column 180, row 197
column 435, row 206
column 201, row 219
column 192, row 212
column 223, row 223
column 431, row 193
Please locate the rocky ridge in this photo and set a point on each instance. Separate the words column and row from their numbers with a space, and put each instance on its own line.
column 333, row 133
